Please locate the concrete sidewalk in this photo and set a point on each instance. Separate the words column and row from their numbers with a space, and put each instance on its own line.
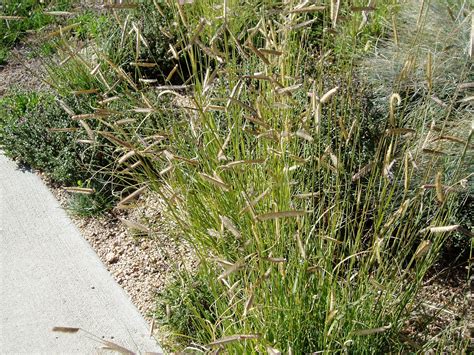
column 50, row 276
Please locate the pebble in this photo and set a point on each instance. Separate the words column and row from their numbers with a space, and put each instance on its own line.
column 111, row 258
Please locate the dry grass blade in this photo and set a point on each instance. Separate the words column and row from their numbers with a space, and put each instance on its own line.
column 80, row 190
column 387, row 169
column 220, row 155
column 237, row 163
column 282, row 214
column 126, row 156
column 258, row 76
column 107, row 100
column 143, row 64
column 471, row 39
column 121, row 73
column 215, row 180
column 362, row 172
column 134, row 225
column 171, row 87
column 108, row 344
column 230, row 226
column 125, row 5
column 311, row 8
column 198, row 30
column 422, row 249
column 148, row 81
column 399, row 212
column 276, row 260
column 438, row 101
column 85, row 141
column 301, row 246
column 59, row 13
column 249, row 303
column 258, row 53
column 395, row 100
column 174, row 52
column 71, row 129
column 211, row 52
column 270, row 51
column 307, row 195
column 440, row 195
column 192, row 162
column 233, row 338
column 83, row 116
column 395, row 131
column 434, row 152
column 65, row 107
column 334, row 11
column 85, row 92
column 305, row 135
column 373, row 330
column 451, row 139
column 467, row 99
column 288, row 89
column 102, row 112
column 255, row 201
column 88, row 130
column 172, row 72
column 131, row 197
column 300, row 25
column 273, row 351
column 257, row 121
column 4, row 17
column 327, row 96
column 66, row 329
column 231, row 269
column 466, row 86
column 115, row 347
column 442, row 229
column 143, row 110
column 448, row 229
column 116, row 140
column 62, row 30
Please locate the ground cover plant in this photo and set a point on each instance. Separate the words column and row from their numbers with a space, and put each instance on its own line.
column 316, row 157
column 37, row 131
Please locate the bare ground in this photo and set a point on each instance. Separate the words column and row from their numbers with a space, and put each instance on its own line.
column 18, row 74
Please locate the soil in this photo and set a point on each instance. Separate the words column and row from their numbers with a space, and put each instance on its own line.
column 444, row 304
column 21, row 73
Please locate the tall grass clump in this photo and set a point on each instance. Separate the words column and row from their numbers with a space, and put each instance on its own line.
column 313, row 218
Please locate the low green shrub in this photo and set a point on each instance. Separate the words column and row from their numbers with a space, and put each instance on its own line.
column 37, row 131
column 27, row 120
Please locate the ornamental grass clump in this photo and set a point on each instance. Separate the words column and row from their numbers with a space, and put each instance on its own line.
column 312, row 218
